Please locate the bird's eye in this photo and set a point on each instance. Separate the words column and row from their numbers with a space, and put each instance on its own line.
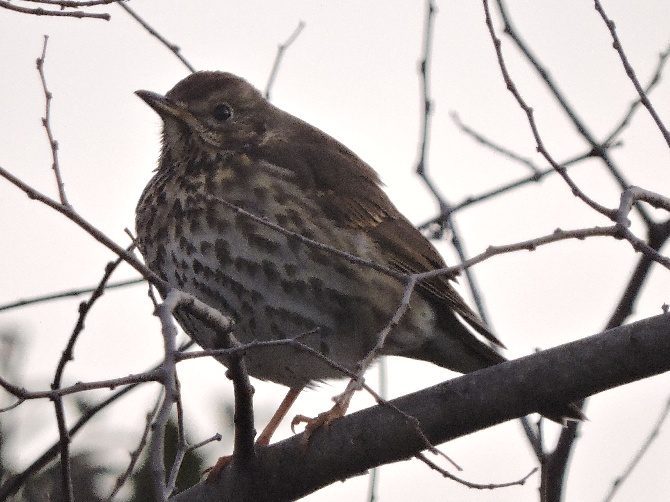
column 221, row 112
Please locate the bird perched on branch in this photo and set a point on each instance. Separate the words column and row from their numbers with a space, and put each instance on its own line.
column 259, row 214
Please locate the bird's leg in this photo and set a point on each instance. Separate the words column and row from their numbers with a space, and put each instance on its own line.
column 271, row 427
column 265, row 436
column 323, row 419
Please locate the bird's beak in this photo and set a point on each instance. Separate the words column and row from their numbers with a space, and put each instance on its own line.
column 162, row 105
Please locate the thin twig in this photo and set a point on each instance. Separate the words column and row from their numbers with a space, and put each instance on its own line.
column 39, row 11
column 243, row 445
column 164, row 313
column 65, row 468
column 67, row 356
column 12, row 485
column 653, row 82
column 422, row 168
column 46, row 123
column 494, row 146
column 497, row 44
column 135, row 454
column 620, row 480
column 181, row 444
column 599, row 149
column 373, row 481
column 424, row 74
column 631, row 72
column 175, row 49
column 489, row 486
column 67, row 294
column 281, row 50
column 112, row 383
column 215, row 437
column 76, row 218
column 74, row 4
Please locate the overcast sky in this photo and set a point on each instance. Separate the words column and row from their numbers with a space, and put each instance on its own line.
column 353, row 73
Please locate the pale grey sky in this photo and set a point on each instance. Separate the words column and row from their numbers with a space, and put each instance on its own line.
column 353, row 73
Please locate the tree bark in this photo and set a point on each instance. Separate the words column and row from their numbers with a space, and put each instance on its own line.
column 379, row 435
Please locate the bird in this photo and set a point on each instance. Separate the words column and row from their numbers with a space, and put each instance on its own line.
column 281, row 227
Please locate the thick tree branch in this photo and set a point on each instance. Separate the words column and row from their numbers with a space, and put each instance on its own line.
column 379, row 435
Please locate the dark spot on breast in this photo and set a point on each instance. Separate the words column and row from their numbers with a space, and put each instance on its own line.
column 270, row 270
column 222, row 251
column 345, row 269
column 244, row 224
column 214, row 220
column 287, row 286
column 316, row 285
column 176, row 211
column 282, row 219
column 290, row 269
column 243, row 265
column 194, row 224
column 263, row 243
column 320, row 257
column 162, row 233
column 246, row 309
column 201, row 270
column 186, row 246
column 277, row 332
column 261, row 193
column 280, row 195
column 205, row 247
column 294, row 244
column 295, row 218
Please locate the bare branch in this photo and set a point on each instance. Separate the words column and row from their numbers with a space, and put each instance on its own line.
column 135, row 454
column 74, row 4
column 631, row 72
column 281, row 50
column 68, row 294
column 424, row 71
column 533, row 126
column 175, row 49
column 72, row 215
column 39, row 11
column 12, row 485
column 169, row 382
column 653, row 82
column 599, row 149
column 46, row 122
column 506, row 152
column 619, row 481
column 488, row 486
column 452, row 409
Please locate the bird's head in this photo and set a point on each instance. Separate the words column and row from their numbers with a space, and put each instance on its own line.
column 214, row 111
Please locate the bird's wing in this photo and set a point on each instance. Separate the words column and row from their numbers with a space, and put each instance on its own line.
column 349, row 192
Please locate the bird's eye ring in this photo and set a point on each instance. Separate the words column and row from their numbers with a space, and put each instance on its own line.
column 221, row 112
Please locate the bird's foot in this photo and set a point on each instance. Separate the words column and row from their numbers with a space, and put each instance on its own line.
column 322, row 419
column 214, row 471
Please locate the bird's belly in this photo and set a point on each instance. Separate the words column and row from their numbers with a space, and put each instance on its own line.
column 278, row 287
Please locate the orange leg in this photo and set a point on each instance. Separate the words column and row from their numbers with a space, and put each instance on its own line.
column 280, row 414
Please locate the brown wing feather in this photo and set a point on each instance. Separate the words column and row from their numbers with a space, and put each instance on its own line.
column 350, row 193
column 392, row 235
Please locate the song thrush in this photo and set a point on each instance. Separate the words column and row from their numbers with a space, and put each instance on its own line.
column 226, row 147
